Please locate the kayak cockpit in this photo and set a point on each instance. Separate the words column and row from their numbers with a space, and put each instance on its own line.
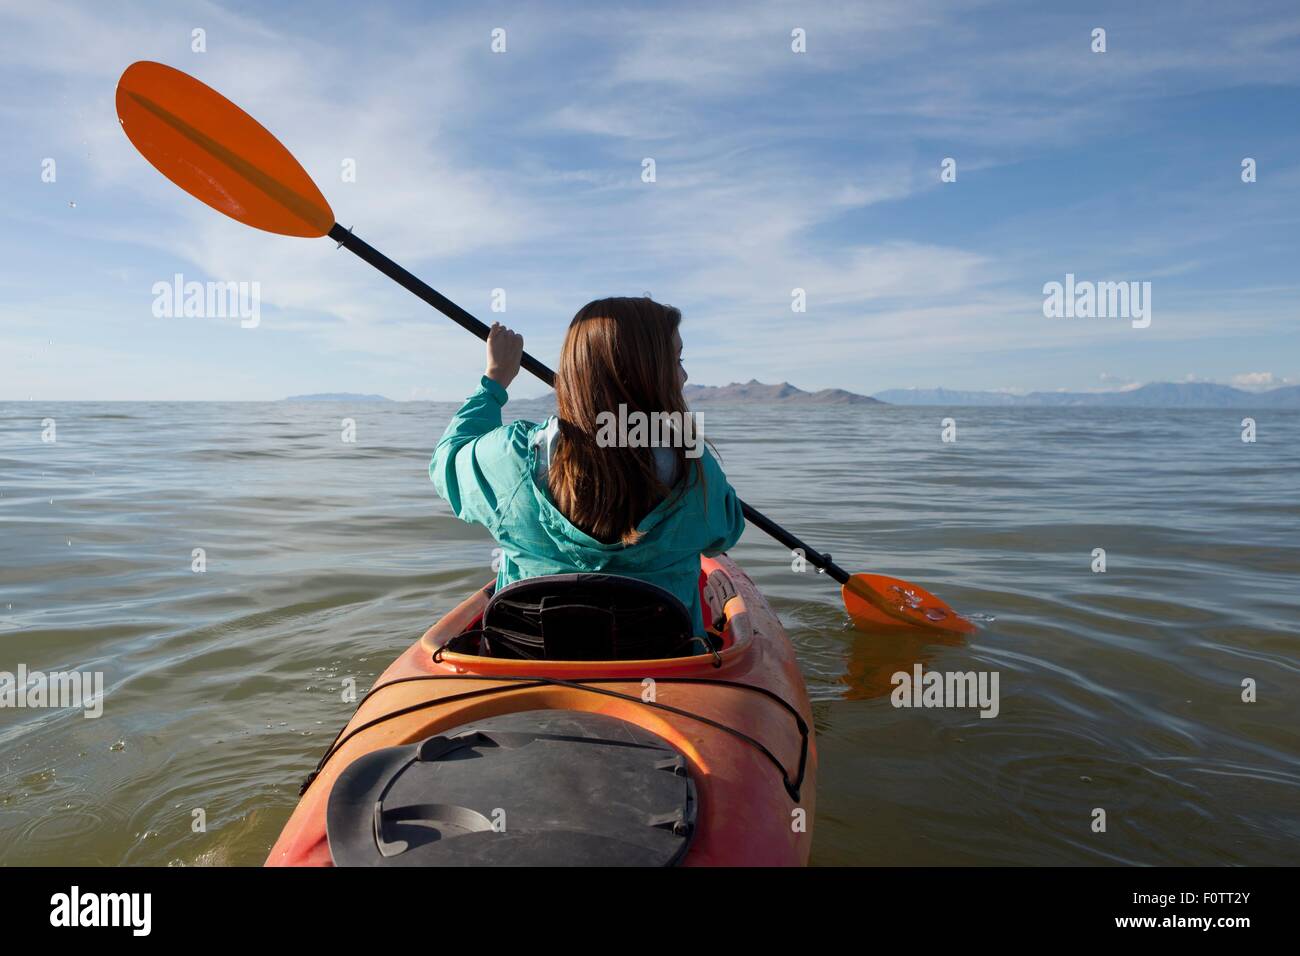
column 576, row 617
column 570, row 618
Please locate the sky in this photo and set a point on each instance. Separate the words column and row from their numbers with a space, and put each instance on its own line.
column 775, row 170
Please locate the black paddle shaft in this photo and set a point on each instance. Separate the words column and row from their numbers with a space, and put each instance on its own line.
column 364, row 250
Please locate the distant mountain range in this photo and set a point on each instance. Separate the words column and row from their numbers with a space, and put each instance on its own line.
column 785, row 393
column 1155, row 395
column 337, row 397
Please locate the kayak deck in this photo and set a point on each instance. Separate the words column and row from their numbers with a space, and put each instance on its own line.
column 747, row 811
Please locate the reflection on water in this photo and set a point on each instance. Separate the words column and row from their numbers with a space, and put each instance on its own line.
column 323, row 559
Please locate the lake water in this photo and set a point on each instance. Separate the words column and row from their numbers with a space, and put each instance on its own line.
column 1119, row 691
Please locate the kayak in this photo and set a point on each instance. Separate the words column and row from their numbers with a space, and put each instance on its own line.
column 468, row 752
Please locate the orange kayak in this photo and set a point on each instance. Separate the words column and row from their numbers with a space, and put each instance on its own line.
column 458, row 759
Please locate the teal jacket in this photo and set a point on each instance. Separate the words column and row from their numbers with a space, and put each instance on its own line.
column 486, row 471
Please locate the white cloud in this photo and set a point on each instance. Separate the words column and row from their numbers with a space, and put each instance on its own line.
column 1259, row 381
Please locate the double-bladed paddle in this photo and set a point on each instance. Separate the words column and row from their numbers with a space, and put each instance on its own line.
column 219, row 154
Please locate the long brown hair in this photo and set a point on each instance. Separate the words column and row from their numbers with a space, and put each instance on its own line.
column 617, row 352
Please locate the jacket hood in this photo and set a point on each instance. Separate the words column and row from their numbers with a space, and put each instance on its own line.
column 581, row 548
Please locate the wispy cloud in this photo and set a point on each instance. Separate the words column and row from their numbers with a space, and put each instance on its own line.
column 1260, row 381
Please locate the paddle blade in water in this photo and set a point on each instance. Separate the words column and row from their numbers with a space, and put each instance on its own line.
column 218, row 153
column 875, row 600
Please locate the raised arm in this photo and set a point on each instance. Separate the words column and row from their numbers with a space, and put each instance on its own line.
column 473, row 460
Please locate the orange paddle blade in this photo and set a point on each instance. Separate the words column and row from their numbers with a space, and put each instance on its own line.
column 876, row 600
column 218, row 153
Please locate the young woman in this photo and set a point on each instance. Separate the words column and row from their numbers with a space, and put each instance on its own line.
column 560, row 497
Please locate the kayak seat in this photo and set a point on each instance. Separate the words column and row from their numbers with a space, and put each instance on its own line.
column 583, row 617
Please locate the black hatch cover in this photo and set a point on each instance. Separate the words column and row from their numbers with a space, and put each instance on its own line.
column 535, row 788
